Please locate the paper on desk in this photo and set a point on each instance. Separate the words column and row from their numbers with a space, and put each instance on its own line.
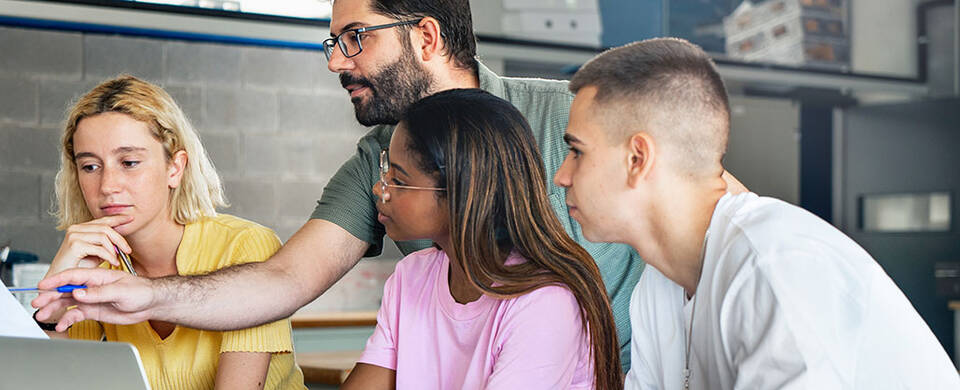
column 14, row 319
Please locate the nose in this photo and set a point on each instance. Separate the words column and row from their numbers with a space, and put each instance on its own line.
column 379, row 190
column 562, row 177
column 111, row 180
column 339, row 63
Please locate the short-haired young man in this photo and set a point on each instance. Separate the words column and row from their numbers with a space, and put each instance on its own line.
column 742, row 292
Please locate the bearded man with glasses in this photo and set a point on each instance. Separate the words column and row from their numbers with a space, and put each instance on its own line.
column 397, row 84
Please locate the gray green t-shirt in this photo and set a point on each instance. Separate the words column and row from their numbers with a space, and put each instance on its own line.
column 348, row 201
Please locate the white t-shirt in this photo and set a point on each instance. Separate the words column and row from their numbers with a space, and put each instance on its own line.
column 785, row 301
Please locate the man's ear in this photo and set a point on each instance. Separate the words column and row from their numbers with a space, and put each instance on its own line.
column 175, row 168
column 641, row 156
column 431, row 43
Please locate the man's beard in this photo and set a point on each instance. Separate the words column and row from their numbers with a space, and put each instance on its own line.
column 392, row 91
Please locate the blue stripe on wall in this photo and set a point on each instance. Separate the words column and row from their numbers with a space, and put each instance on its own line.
column 153, row 33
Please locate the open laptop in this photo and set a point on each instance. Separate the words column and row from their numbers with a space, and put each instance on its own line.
column 69, row 364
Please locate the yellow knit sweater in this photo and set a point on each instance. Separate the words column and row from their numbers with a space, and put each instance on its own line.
column 187, row 359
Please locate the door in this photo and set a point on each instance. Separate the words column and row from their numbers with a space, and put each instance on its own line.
column 911, row 148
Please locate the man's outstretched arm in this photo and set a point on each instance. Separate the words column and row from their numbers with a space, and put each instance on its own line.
column 237, row 297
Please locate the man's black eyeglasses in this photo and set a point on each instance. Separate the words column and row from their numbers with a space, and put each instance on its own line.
column 349, row 40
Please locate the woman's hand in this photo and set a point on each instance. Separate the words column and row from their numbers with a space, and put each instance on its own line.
column 87, row 245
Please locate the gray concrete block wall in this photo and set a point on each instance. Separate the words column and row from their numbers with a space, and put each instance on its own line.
column 53, row 54
column 276, row 123
column 56, row 97
column 143, row 57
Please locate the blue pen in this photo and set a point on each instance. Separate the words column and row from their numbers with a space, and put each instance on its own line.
column 62, row 289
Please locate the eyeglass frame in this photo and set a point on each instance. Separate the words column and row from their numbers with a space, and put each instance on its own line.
column 385, row 168
column 335, row 41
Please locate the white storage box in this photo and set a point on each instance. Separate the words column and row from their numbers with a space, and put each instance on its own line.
column 575, row 22
column 791, row 32
column 573, row 5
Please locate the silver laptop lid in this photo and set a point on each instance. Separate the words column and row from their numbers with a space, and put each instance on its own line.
column 69, row 364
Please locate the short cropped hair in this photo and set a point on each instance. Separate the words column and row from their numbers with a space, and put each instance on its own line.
column 669, row 86
column 456, row 24
column 200, row 190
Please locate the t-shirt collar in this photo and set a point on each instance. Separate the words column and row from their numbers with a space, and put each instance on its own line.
column 489, row 81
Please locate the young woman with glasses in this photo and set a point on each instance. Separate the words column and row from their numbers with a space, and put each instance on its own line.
column 505, row 299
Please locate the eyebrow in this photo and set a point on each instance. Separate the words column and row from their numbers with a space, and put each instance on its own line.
column 399, row 168
column 571, row 139
column 349, row 26
column 120, row 150
column 128, row 149
column 82, row 155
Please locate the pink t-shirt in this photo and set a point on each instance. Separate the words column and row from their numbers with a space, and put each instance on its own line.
column 531, row 342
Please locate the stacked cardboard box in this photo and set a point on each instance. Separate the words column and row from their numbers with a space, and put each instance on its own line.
column 791, row 32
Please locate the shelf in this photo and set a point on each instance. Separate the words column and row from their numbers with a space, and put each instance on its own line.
column 166, row 25
column 334, row 319
column 745, row 73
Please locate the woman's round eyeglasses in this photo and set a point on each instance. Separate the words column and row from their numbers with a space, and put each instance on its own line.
column 385, row 168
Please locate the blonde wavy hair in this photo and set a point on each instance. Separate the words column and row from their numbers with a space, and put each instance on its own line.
column 200, row 191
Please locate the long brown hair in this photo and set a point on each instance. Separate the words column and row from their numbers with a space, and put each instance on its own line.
column 484, row 150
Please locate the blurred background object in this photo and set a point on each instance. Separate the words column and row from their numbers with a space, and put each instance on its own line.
column 20, row 269
column 791, row 32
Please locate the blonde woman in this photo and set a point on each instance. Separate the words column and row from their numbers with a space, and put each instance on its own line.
column 134, row 178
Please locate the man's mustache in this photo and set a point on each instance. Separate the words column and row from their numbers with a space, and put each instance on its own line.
column 348, row 79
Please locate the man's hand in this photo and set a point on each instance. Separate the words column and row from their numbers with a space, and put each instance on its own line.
column 311, row 261
column 111, row 296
